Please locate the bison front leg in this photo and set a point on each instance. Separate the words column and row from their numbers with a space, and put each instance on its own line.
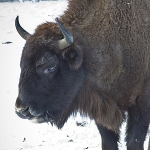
column 149, row 144
column 138, row 122
column 109, row 138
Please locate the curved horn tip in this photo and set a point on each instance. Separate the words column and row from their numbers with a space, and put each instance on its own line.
column 17, row 19
column 23, row 33
column 56, row 19
column 68, row 38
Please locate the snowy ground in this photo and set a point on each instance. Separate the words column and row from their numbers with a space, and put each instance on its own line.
column 18, row 134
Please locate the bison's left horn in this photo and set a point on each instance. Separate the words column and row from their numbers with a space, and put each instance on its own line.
column 23, row 33
column 68, row 38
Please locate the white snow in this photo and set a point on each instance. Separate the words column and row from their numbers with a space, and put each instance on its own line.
column 19, row 134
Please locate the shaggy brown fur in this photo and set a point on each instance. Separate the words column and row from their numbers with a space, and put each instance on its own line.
column 116, row 54
column 112, row 42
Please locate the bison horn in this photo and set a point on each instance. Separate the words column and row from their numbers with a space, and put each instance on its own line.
column 68, row 38
column 23, row 33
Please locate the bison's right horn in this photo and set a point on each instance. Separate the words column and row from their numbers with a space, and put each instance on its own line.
column 23, row 33
column 68, row 38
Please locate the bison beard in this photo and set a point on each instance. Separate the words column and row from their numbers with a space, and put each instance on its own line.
column 100, row 69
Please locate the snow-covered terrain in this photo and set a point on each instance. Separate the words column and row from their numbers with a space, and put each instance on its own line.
column 19, row 134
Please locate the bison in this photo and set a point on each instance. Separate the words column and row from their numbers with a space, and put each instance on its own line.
column 95, row 59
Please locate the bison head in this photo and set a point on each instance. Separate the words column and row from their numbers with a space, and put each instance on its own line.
column 51, row 76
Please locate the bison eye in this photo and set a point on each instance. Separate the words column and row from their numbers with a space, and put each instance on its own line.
column 49, row 70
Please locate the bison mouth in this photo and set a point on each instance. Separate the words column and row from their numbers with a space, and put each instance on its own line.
column 57, row 119
column 33, row 116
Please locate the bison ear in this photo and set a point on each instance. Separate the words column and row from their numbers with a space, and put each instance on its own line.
column 74, row 57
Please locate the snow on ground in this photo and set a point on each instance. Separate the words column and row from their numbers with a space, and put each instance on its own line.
column 18, row 134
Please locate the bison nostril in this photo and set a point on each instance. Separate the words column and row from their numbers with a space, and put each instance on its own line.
column 18, row 103
column 25, row 109
column 23, row 112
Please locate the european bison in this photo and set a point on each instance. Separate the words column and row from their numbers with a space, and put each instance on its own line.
column 94, row 60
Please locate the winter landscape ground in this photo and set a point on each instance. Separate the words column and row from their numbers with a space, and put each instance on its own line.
column 18, row 134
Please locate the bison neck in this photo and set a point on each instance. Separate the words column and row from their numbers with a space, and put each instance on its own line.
column 110, row 35
column 98, row 106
